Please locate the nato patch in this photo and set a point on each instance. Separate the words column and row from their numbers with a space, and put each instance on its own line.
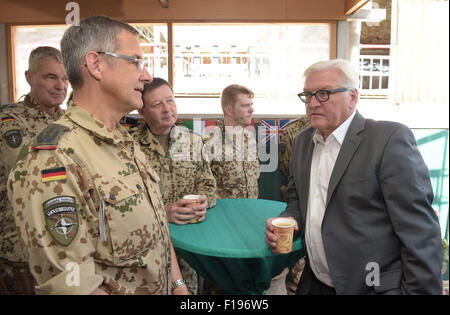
column 61, row 219
column 13, row 138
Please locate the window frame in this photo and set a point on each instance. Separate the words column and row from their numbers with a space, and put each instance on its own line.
column 11, row 46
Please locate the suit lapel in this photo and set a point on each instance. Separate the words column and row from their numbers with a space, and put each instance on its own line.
column 305, row 171
column 348, row 149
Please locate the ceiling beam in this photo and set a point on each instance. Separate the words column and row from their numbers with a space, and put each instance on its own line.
column 352, row 6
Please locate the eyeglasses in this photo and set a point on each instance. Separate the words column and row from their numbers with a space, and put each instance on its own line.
column 140, row 63
column 321, row 95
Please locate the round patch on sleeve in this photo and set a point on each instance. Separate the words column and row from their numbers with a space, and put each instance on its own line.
column 13, row 138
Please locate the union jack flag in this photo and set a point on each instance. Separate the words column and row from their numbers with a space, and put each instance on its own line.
column 271, row 128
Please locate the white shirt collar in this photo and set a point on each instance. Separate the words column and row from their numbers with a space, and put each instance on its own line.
column 339, row 133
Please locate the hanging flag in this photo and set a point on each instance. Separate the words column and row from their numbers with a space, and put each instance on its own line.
column 272, row 129
column 189, row 124
column 201, row 127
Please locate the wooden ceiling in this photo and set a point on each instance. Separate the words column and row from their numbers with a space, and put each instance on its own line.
column 54, row 11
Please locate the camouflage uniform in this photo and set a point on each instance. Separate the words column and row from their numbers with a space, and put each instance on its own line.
column 88, row 207
column 182, row 171
column 237, row 170
column 19, row 123
column 293, row 128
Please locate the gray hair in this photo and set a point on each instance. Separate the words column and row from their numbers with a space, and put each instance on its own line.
column 350, row 78
column 95, row 33
column 40, row 53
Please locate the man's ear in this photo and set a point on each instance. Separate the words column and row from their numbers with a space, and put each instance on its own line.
column 228, row 110
column 93, row 65
column 355, row 98
column 141, row 111
column 29, row 76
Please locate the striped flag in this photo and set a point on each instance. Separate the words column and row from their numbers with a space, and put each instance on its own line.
column 200, row 126
column 53, row 174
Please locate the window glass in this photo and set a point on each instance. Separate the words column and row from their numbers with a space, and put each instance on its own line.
column 267, row 58
column 153, row 41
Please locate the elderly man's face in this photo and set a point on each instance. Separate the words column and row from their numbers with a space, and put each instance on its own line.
column 124, row 81
column 329, row 115
column 48, row 83
column 160, row 110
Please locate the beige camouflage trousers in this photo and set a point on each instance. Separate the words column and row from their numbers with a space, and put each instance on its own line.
column 294, row 275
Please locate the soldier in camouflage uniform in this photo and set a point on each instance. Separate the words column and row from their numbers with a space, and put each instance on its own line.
column 293, row 128
column 231, row 147
column 87, row 205
column 19, row 123
column 175, row 154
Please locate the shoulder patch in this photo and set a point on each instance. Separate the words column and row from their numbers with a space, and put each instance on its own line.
column 58, row 173
column 49, row 137
column 61, row 218
column 13, row 138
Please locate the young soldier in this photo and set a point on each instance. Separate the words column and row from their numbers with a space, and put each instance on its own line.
column 235, row 164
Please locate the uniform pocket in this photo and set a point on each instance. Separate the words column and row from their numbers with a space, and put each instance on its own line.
column 128, row 217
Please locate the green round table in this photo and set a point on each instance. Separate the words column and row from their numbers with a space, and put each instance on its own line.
column 228, row 247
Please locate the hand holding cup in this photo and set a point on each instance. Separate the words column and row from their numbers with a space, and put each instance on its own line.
column 279, row 234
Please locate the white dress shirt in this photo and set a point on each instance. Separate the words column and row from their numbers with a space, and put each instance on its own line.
column 323, row 159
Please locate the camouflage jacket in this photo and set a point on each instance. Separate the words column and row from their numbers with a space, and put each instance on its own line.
column 89, row 211
column 182, row 169
column 233, row 156
column 293, row 128
column 19, row 123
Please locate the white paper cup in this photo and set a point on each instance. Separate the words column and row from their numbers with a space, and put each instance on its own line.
column 193, row 204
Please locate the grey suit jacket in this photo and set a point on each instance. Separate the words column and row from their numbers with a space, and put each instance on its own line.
column 378, row 211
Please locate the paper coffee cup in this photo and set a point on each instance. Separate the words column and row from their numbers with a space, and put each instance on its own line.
column 284, row 230
column 193, row 204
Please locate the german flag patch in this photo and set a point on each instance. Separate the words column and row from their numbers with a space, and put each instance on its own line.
column 58, row 173
column 8, row 118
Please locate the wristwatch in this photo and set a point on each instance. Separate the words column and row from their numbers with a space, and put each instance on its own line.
column 177, row 283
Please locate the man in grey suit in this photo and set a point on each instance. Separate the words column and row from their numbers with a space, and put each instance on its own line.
column 361, row 195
